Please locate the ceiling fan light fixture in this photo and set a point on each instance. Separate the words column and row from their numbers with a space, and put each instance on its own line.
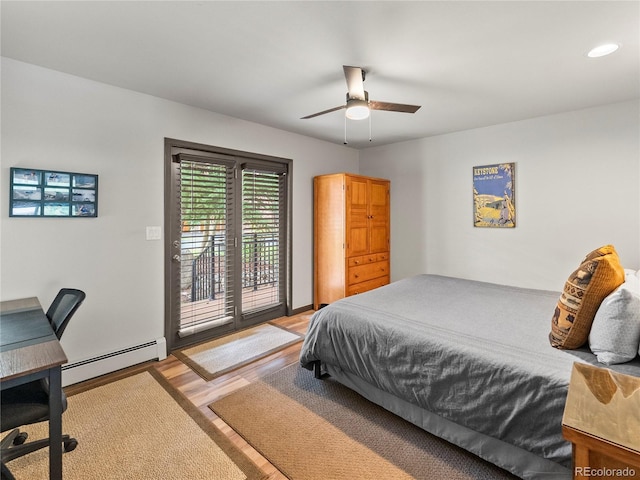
column 357, row 109
column 357, row 104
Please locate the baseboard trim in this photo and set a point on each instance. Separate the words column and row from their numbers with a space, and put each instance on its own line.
column 298, row 310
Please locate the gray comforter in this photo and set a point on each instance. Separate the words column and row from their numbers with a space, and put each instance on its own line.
column 474, row 353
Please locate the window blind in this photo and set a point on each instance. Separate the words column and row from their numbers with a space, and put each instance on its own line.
column 263, row 236
column 207, row 243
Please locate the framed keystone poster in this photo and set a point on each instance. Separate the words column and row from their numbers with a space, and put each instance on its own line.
column 494, row 201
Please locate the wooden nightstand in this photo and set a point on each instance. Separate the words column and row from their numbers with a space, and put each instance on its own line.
column 602, row 421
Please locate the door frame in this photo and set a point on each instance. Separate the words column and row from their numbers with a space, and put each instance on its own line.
column 171, row 222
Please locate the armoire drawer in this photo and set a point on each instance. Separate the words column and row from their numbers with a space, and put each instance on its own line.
column 366, row 286
column 366, row 259
column 363, row 273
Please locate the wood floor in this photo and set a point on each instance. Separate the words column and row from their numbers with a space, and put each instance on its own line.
column 201, row 393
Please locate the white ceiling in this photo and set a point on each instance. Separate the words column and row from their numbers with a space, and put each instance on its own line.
column 469, row 64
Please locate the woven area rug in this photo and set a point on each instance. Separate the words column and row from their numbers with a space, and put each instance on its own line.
column 138, row 428
column 222, row 355
column 318, row 429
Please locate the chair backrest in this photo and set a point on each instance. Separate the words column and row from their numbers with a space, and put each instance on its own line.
column 63, row 307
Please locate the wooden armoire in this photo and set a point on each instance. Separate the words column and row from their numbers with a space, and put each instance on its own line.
column 351, row 235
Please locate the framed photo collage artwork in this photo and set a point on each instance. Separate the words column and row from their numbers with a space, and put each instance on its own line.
column 48, row 193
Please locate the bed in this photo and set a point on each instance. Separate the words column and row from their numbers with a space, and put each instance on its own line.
column 465, row 360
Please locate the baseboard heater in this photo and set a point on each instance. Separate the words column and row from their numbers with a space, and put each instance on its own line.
column 94, row 367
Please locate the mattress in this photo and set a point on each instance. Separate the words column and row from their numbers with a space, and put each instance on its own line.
column 473, row 355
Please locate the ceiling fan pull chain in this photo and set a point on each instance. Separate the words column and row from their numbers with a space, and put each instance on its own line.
column 370, row 127
column 345, row 129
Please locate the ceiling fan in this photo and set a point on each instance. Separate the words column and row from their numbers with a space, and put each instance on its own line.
column 358, row 104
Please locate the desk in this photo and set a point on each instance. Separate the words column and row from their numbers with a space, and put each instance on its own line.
column 30, row 350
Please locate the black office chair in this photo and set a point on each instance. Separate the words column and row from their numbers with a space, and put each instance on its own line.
column 5, row 473
column 29, row 403
column 63, row 307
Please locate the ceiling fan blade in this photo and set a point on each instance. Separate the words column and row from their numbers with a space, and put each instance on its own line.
column 323, row 112
column 355, row 81
column 393, row 107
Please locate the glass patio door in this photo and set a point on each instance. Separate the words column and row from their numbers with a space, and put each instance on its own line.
column 263, row 239
column 227, row 251
column 207, row 244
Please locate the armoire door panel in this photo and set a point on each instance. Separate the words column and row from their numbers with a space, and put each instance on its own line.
column 379, row 239
column 379, row 216
column 356, row 203
column 357, row 193
column 357, row 241
column 357, row 218
column 379, row 194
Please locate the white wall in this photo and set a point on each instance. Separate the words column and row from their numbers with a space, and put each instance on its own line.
column 58, row 121
column 577, row 188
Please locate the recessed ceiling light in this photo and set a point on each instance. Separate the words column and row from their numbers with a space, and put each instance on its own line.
column 602, row 50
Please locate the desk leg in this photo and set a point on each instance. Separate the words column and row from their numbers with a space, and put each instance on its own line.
column 55, row 423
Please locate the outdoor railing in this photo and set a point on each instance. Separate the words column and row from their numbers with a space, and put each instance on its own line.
column 260, row 254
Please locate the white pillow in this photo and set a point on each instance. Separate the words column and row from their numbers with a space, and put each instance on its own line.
column 615, row 332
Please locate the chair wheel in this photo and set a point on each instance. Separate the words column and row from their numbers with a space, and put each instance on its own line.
column 20, row 438
column 70, row 445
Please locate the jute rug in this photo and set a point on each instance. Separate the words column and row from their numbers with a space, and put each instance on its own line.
column 138, row 428
column 320, row 430
column 222, row 355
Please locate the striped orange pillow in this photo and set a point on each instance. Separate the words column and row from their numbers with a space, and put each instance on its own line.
column 599, row 274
